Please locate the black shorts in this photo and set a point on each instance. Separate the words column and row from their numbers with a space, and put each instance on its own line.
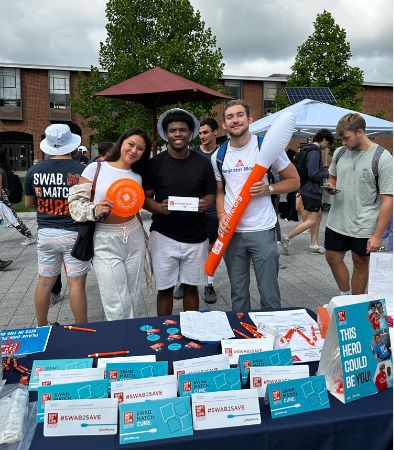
column 340, row 243
column 212, row 224
column 311, row 204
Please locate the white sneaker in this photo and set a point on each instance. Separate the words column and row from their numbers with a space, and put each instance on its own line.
column 285, row 242
column 318, row 250
column 29, row 241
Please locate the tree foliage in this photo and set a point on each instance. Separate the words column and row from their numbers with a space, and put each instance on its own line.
column 323, row 61
column 143, row 34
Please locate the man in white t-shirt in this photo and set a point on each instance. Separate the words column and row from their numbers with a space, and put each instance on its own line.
column 255, row 236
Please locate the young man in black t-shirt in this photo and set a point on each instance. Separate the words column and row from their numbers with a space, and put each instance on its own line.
column 178, row 239
column 46, row 188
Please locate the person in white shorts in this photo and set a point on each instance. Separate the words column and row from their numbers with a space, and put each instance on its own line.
column 46, row 187
column 178, row 239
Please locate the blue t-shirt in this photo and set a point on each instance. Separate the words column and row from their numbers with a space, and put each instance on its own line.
column 49, row 181
column 381, row 351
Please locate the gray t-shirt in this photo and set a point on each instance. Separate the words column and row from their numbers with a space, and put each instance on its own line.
column 354, row 210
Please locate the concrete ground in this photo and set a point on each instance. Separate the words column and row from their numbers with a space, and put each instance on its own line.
column 305, row 282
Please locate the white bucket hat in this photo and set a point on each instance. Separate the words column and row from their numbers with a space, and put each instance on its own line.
column 82, row 149
column 160, row 128
column 59, row 140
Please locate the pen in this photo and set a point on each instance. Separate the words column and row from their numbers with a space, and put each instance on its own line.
column 70, row 327
column 248, row 326
column 241, row 334
column 249, row 329
column 311, row 341
column 98, row 355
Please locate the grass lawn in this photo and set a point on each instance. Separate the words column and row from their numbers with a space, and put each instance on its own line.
column 20, row 207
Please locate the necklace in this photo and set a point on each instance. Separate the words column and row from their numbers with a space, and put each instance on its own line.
column 355, row 161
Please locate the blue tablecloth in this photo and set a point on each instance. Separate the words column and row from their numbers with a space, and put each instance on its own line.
column 363, row 424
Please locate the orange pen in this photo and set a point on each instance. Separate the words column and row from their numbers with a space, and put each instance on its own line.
column 241, row 334
column 99, row 355
column 89, row 330
column 249, row 329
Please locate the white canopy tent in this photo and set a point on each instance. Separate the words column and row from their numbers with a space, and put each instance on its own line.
column 312, row 115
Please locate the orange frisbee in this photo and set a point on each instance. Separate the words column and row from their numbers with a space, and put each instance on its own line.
column 127, row 196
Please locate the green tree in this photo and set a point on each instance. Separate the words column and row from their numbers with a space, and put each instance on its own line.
column 323, row 61
column 141, row 35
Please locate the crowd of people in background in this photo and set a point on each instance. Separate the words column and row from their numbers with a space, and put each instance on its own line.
column 69, row 187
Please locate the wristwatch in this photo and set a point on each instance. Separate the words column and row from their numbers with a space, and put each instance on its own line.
column 271, row 189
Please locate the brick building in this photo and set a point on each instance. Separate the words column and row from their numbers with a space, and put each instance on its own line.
column 32, row 97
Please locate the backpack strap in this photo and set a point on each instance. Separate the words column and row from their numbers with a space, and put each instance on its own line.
column 375, row 168
column 339, row 155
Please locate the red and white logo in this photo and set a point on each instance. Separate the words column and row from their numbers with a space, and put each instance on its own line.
column 53, row 418
column 38, row 369
column 45, row 397
column 341, row 316
column 46, row 383
column 119, row 396
column 179, row 372
column 128, row 417
column 239, row 164
column 257, row 382
column 200, row 410
column 247, row 364
column 113, row 374
column 228, row 352
column 276, row 395
column 187, row 386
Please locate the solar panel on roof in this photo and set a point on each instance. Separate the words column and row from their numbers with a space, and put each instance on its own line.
column 322, row 94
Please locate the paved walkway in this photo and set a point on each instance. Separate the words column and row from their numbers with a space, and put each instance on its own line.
column 306, row 281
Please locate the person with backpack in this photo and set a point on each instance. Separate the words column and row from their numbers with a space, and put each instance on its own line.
column 361, row 183
column 11, row 191
column 255, row 237
column 310, row 168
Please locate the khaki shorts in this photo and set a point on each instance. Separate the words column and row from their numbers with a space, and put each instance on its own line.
column 53, row 247
column 177, row 262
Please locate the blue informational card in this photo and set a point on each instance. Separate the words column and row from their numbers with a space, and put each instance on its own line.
column 24, row 341
column 156, row 419
column 56, row 364
column 365, row 348
column 216, row 380
column 287, row 398
column 134, row 370
column 279, row 357
column 70, row 391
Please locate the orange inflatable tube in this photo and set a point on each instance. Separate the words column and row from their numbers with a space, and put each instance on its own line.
column 275, row 141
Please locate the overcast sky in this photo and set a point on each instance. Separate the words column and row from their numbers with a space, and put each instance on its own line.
column 257, row 37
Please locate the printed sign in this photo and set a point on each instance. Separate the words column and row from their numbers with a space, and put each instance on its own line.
column 218, row 380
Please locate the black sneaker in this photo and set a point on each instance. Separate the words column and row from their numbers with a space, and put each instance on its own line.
column 209, row 294
column 4, row 264
column 178, row 292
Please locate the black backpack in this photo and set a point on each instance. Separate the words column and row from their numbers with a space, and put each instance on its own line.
column 300, row 163
column 15, row 188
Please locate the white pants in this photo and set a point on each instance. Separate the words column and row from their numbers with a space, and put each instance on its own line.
column 119, row 254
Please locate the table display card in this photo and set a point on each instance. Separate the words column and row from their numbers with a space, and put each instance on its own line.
column 225, row 409
column 233, row 348
column 278, row 357
column 260, row 377
column 24, row 341
column 40, row 365
column 218, row 380
column 142, row 389
column 81, row 417
column 203, row 364
column 70, row 391
column 156, row 419
column 287, row 398
column 50, row 377
column 133, row 370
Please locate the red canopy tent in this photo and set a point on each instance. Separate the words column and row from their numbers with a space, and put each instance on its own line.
column 157, row 87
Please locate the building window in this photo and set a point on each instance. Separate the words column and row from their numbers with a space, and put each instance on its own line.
column 271, row 90
column 233, row 88
column 10, row 88
column 59, row 89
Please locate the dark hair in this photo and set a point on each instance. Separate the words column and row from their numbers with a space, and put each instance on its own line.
column 213, row 125
column 105, row 147
column 323, row 134
column 139, row 166
column 178, row 116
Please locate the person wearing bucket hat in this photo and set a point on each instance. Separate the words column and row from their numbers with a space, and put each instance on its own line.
column 119, row 245
column 46, row 187
column 178, row 239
